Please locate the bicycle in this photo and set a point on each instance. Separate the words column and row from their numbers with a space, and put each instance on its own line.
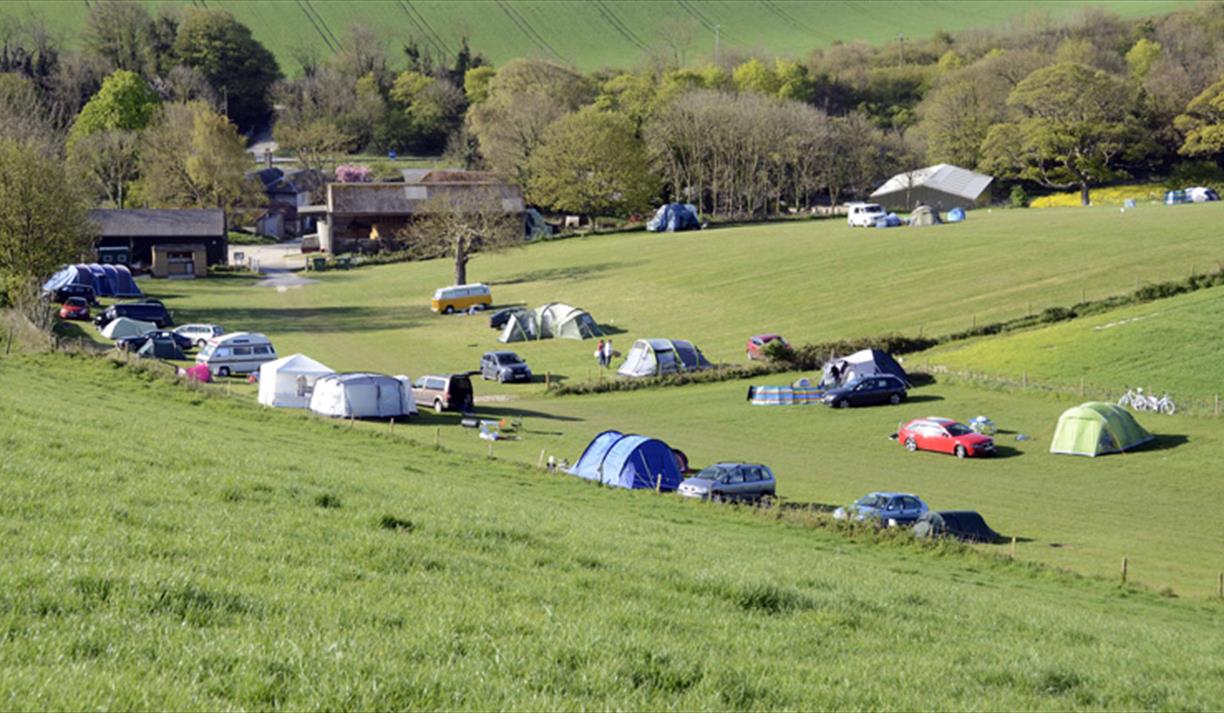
column 1142, row 402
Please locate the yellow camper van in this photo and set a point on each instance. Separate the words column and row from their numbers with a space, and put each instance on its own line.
column 458, row 298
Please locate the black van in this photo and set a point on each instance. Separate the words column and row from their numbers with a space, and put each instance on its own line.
column 151, row 311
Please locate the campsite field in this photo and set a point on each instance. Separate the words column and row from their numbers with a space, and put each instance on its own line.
column 591, row 35
column 812, row 281
column 200, row 552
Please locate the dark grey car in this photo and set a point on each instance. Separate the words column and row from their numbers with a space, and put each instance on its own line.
column 731, row 482
column 504, row 367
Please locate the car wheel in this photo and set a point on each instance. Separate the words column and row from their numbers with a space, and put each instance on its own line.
column 448, row 310
column 438, row 406
column 223, row 371
column 766, row 500
column 961, row 452
column 200, row 344
column 894, row 399
column 911, row 445
column 844, row 403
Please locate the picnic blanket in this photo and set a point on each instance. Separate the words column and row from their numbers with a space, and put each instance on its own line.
column 784, row 395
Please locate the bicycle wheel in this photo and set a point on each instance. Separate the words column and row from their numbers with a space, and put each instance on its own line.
column 1168, row 408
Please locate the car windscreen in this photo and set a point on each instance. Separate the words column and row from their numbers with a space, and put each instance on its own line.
column 872, row 501
column 958, row 429
column 714, row 472
column 508, row 359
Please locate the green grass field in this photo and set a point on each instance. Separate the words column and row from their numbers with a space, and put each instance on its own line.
column 199, row 552
column 591, row 35
column 1170, row 345
column 813, row 281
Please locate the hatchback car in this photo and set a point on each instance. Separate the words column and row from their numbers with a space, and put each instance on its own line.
column 74, row 290
column 901, row 508
column 444, row 393
column 199, row 334
column 757, row 345
column 731, row 482
column 504, row 367
column 868, row 391
column 943, row 435
column 74, row 308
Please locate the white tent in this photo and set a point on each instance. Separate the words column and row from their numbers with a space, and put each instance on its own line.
column 655, row 357
column 289, row 382
column 363, row 396
column 126, row 327
column 865, row 362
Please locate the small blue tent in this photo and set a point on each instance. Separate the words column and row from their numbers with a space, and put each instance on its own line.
column 956, row 215
column 673, row 217
column 628, row 461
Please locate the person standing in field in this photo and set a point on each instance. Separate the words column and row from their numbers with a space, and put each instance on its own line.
column 607, row 352
column 599, row 353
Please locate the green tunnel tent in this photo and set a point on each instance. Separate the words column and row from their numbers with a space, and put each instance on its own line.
column 1097, row 428
column 555, row 320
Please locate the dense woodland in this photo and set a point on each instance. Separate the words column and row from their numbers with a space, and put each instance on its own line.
column 157, row 107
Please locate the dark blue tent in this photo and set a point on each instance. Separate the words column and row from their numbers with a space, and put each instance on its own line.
column 628, row 461
column 673, row 217
column 106, row 280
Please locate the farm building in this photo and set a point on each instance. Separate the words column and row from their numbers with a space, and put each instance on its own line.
column 358, row 216
column 179, row 260
column 127, row 237
column 942, row 186
column 285, row 193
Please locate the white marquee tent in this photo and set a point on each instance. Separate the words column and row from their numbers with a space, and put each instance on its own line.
column 363, row 396
column 289, row 382
column 942, row 186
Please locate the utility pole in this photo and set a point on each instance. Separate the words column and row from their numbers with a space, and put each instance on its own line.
column 225, row 101
column 717, row 28
column 901, row 43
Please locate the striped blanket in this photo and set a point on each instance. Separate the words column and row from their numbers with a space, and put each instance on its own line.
column 783, row 395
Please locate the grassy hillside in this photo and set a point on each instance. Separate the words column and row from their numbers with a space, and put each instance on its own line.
column 591, row 35
column 1172, row 345
column 197, row 552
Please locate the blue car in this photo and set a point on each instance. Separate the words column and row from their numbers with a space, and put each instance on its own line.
column 901, row 508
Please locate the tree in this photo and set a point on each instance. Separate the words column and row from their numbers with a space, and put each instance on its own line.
column 125, row 102
column 476, row 83
column 119, row 33
column 42, row 218
column 1075, row 124
column 525, row 96
column 192, row 157
column 1202, row 124
column 460, row 223
column 592, row 163
column 756, row 76
column 24, row 116
column 235, row 64
column 317, row 144
column 107, row 162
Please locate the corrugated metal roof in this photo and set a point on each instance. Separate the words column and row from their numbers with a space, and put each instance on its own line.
column 941, row 177
column 408, row 199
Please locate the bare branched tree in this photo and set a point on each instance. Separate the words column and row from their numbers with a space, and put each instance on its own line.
column 460, row 221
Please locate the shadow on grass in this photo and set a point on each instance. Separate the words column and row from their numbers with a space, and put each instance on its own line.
column 307, row 319
column 554, row 274
column 1166, row 441
column 1005, row 451
column 923, row 398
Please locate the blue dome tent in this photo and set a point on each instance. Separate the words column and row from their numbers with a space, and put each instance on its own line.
column 106, row 280
column 628, row 461
column 672, row 217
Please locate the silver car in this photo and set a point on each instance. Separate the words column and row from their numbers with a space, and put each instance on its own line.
column 199, row 334
column 748, row 482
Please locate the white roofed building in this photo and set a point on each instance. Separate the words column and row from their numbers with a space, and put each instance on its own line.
column 942, row 186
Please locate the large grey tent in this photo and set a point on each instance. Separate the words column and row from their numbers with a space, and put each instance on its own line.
column 656, row 357
column 363, row 396
column 924, row 215
column 555, row 320
column 943, row 186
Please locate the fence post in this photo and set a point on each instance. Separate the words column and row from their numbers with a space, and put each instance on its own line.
column 1024, row 379
column 1220, row 586
column 438, row 437
column 540, row 462
column 1124, row 569
column 1217, row 406
column 1081, row 386
column 490, row 450
column 391, row 426
column 1012, row 551
column 548, row 381
column 659, row 484
column 974, row 323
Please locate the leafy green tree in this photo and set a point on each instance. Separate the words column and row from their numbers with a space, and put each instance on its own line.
column 1075, row 125
column 1202, row 124
column 793, row 80
column 592, row 163
column 193, row 157
column 240, row 68
column 476, row 83
column 1142, row 56
column 634, row 95
column 125, row 102
column 42, row 218
column 107, row 163
column 756, row 76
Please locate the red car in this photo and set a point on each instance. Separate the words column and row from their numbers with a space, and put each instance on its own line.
column 943, row 435
column 757, row 344
column 74, row 308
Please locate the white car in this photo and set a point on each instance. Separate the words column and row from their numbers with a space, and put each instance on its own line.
column 863, row 215
column 199, row 334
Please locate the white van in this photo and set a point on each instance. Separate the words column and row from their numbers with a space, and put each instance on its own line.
column 863, row 215
column 236, row 353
